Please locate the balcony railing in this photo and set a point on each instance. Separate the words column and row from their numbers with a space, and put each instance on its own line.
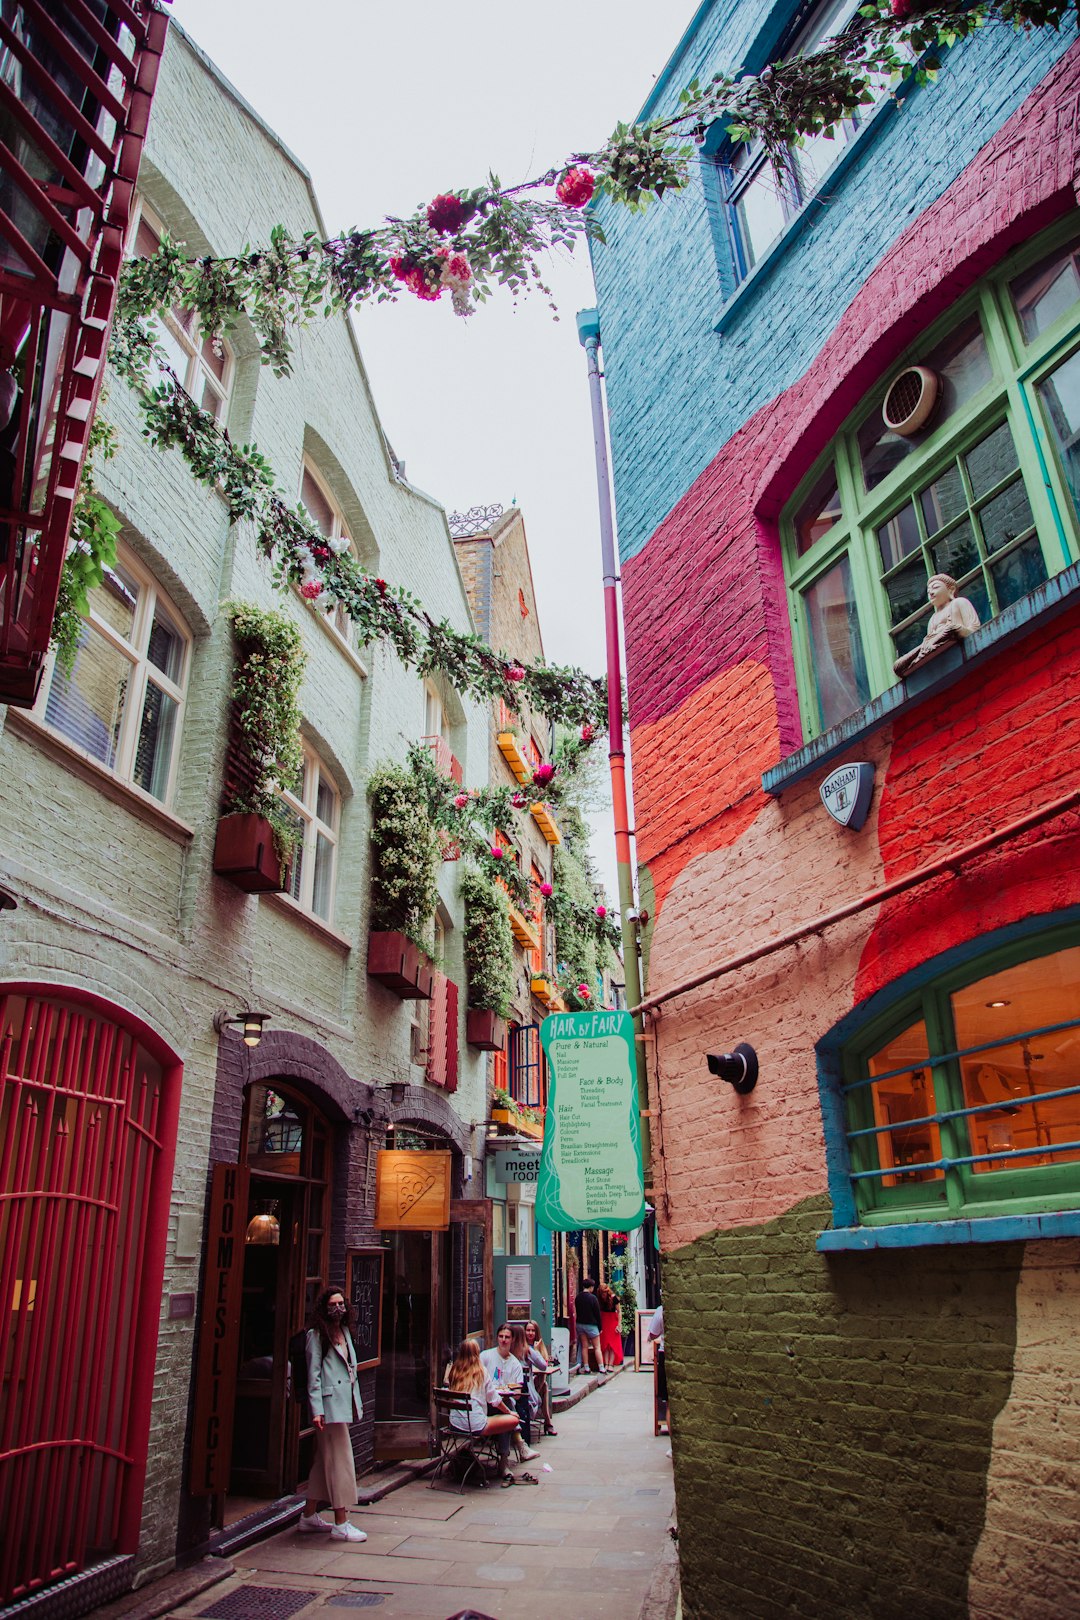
column 76, row 82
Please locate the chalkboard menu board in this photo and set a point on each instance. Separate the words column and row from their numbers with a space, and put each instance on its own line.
column 475, row 1244
column 363, row 1285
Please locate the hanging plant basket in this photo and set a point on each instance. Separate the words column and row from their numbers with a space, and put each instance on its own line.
column 400, row 965
column 485, row 1030
column 246, row 855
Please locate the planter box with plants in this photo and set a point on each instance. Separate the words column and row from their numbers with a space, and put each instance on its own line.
column 404, row 857
column 485, row 1030
column 489, row 960
column 400, row 965
column 256, row 835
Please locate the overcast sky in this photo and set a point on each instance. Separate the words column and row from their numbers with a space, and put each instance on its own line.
column 388, row 105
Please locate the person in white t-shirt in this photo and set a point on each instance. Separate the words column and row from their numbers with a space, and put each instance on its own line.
column 506, row 1373
column 656, row 1337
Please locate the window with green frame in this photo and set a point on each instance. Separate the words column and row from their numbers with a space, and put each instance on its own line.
column 965, row 1100
column 988, row 492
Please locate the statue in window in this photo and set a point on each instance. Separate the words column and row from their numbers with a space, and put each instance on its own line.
column 953, row 618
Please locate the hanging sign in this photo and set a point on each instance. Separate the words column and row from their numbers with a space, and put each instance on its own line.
column 590, row 1169
column 846, row 794
column 412, row 1191
column 219, row 1331
column 517, row 1164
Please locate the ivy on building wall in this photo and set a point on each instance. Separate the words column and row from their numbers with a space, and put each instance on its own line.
column 269, row 669
column 489, row 952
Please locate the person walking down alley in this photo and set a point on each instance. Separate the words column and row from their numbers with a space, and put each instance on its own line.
column 587, row 1316
column 335, row 1402
column 610, row 1337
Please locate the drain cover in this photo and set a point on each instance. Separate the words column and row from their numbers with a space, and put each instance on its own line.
column 358, row 1600
column 259, row 1603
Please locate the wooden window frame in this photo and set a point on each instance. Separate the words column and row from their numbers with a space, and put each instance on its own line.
column 197, row 376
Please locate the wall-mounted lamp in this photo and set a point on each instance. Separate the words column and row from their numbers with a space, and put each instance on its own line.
column 8, row 901
column 250, row 1022
column 738, row 1068
column 395, row 1090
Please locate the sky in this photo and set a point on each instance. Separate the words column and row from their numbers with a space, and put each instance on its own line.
column 388, row 105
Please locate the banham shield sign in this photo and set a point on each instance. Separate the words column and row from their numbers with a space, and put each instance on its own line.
column 847, row 792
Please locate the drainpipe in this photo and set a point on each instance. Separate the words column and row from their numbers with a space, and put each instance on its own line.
column 588, row 325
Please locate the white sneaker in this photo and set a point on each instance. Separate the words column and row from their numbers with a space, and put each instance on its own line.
column 526, row 1454
column 312, row 1525
column 348, row 1532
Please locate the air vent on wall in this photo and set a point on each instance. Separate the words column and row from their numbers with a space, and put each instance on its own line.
column 910, row 401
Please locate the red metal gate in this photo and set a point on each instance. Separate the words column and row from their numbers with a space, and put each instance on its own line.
column 88, row 1104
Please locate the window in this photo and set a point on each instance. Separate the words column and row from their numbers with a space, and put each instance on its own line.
column 988, row 492
column 316, row 812
column 326, row 515
column 123, row 702
column 968, row 1100
column 758, row 203
column 204, row 365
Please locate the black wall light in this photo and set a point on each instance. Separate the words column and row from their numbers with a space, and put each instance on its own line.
column 738, row 1068
column 250, row 1022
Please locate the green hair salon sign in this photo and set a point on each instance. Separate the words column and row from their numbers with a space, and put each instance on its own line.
column 590, row 1168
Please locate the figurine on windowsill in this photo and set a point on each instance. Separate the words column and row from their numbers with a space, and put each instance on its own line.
column 953, row 618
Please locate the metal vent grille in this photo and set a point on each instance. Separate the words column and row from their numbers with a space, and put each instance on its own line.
column 259, row 1603
column 358, row 1600
column 911, row 399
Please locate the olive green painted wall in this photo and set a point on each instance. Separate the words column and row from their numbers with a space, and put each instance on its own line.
column 833, row 1420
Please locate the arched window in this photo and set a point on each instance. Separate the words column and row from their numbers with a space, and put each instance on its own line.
column 122, row 703
column 326, row 514
column 964, row 1100
column 987, row 491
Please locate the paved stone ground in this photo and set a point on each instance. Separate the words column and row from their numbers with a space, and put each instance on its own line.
column 591, row 1539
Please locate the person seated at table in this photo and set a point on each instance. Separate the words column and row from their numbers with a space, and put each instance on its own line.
column 533, row 1367
column 466, row 1376
column 506, row 1372
column 541, row 1381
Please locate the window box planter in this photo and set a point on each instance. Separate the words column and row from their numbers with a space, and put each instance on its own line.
column 400, row 965
column 245, row 854
column 524, row 1127
column 485, row 1030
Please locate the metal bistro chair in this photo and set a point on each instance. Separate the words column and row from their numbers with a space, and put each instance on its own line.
column 452, row 1443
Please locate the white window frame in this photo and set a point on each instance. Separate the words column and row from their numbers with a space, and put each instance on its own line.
column 304, row 806
column 336, row 619
column 143, row 673
column 184, row 328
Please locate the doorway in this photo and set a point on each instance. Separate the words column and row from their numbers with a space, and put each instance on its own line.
column 415, row 1340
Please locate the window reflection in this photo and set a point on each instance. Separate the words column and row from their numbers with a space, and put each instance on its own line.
column 1042, row 295
column 903, row 1097
column 837, row 650
column 275, row 1130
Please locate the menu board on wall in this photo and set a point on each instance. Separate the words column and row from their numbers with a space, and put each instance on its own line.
column 590, row 1168
column 475, row 1252
column 363, row 1289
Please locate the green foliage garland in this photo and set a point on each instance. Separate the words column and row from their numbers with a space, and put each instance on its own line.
column 94, row 531
column 489, row 955
column 405, row 852
column 269, row 670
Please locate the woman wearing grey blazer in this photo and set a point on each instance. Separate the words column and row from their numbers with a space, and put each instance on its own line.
column 335, row 1403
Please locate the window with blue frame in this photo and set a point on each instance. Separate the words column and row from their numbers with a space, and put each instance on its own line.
column 964, row 1100
column 758, row 203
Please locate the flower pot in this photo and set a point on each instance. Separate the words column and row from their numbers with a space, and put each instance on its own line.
column 245, row 854
column 485, row 1030
column 400, row 965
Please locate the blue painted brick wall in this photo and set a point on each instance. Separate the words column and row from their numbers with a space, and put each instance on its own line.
column 677, row 388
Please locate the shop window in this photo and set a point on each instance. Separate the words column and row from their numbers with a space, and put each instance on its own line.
column 967, row 1101
column 526, row 1067
column 203, row 365
column 987, row 491
column 758, row 203
column 123, row 702
column 316, row 812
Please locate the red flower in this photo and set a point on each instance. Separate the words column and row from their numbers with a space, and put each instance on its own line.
column 381, row 586
column 461, row 800
column 588, row 732
column 310, row 590
column 543, row 774
column 901, row 9
column 496, row 852
column 514, row 672
column 601, row 911
column 401, row 266
column 576, row 187
column 546, row 890
column 584, row 992
column 446, row 213
column 518, row 800
column 458, row 267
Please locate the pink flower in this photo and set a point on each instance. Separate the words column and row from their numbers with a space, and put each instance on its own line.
column 543, row 774
column 514, row 672
column 588, row 732
column 461, row 800
column 446, row 213
column 584, row 992
column 901, row 9
column 546, row 890
column 518, row 800
column 576, row 187
column 601, row 911
column 310, row 589
column 496, row 852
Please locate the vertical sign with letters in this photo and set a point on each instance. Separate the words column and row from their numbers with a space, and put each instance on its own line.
column 590, row 1168
column 219, row 1331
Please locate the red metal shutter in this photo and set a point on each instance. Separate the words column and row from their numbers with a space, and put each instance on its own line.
column 436, row 1045
column 451, row 1035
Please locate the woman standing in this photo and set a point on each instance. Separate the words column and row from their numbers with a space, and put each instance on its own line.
column 539, row 1352
column 466, row 1376
column 610, row 1337
column 335, row 1403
